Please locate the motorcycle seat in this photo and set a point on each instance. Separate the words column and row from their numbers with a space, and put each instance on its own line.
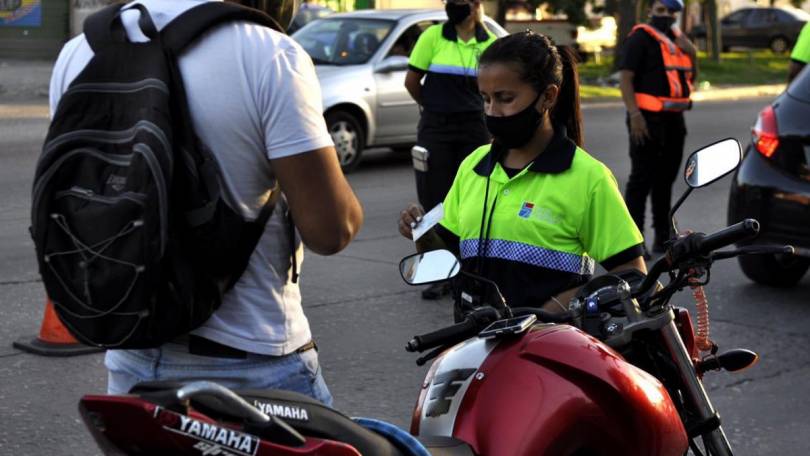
column 305, row 414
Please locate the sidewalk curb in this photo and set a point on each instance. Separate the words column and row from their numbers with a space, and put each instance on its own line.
column 24, row 111
column 714, row 94
column 41, row 110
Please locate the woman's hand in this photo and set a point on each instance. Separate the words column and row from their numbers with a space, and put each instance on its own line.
column 638, row 128
column 408, row 219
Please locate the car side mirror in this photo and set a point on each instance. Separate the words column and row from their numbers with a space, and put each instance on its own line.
column 712, row 162
column 429, row 267
column 391, row 64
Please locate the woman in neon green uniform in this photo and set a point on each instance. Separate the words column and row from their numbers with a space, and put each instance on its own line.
column 533, row 211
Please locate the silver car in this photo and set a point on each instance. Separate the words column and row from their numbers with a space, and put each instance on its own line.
column 361, row 59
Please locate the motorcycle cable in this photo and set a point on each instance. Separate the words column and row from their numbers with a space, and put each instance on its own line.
column 694, row 447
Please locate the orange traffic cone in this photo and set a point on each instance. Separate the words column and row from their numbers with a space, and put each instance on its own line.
column 54, row 339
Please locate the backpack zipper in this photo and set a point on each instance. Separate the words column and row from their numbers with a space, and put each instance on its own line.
column 124, row 160
column 90, row 195
column 119, row 87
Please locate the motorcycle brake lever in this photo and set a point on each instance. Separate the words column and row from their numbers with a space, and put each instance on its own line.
column 432, row 354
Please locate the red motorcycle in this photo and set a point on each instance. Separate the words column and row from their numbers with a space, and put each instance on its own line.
column 619, row 373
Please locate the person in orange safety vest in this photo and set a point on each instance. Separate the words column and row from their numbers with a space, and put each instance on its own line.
column 657, row 70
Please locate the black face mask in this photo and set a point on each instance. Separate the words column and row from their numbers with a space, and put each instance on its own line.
column 457, row 13
column 516, row 130
column 662, row 23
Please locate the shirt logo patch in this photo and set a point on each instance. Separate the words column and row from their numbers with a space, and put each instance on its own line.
column 526, row 210
column 546, row 215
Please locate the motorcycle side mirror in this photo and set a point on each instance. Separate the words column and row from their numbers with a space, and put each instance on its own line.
column 712, row 162
column 429, row 267
column 705, row 166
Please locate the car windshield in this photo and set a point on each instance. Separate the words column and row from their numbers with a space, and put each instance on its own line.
column 343, row 41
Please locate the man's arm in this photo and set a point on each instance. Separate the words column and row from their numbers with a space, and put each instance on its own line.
column 413, row 83
column 559, row 303
column 324, row 206
column 628, row 92
column 686, row 45
column 638, row 126
column 795, row 68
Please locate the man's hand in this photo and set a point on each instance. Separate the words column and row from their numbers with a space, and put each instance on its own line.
column 638, row 128
column 409, row 218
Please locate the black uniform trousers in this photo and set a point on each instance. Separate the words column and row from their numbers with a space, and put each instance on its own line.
column 654, row 167
column 448, row 138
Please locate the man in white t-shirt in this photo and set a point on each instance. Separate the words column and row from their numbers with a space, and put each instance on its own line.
column 255, row 102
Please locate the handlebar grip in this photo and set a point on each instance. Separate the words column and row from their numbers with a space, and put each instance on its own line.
column 444, row 336
column 728, row 236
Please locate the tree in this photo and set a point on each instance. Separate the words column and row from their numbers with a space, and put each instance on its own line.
column 714, row 40
column 500, row 16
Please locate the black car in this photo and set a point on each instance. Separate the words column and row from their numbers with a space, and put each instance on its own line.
column 773, row 28
column 772, row 185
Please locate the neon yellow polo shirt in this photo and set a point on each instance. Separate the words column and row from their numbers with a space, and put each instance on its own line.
column 450, row 67
column 550, row 223
column 801, row 50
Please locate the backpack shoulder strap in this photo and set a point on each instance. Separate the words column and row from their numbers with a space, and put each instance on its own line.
column 104, row 28
column 189, row 26
column 98, row 27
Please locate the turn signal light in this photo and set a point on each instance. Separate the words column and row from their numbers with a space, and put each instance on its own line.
column 766, row 133
column 731, row 361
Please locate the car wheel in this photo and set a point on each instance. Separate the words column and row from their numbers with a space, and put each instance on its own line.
column 779, row 45
column 349, row 138
column 774, row 270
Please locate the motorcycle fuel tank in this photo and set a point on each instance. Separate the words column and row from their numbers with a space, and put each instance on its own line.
column 554, row 390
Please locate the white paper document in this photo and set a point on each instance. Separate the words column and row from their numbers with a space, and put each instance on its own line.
column 429, row 220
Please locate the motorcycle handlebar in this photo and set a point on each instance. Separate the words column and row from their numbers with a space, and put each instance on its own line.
column 703, row 246
column 728, row 236
column 459, row 331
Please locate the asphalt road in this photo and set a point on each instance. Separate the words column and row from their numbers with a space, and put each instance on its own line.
column 362, row 313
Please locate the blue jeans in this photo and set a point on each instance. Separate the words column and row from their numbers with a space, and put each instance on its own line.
column 299, row 372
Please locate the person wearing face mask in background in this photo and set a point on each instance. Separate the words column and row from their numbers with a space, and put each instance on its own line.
column 452, row 122
column 533, row 211
column 657, row 69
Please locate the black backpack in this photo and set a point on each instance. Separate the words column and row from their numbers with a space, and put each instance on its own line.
column 135, row 243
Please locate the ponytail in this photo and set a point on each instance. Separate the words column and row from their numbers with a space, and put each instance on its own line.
column 567, row 110
column 541, row 63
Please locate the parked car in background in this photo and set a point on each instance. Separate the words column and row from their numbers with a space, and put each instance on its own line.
column 361, row 59
column 766, row 28
column 772, row 185
column 307, row 13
